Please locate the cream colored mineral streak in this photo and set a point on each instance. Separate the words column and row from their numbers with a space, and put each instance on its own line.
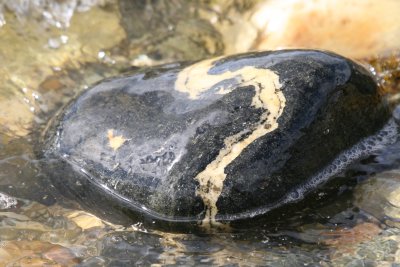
column 115, row 142
column 195, row 80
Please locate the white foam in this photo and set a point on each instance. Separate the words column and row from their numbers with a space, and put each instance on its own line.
column 7, row 201
column 366, row 147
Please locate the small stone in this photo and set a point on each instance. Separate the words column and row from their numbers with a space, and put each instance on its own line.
column 380, row 196
column 51, row 83
column 345, row 239
column 85, row 220
column 36, row 253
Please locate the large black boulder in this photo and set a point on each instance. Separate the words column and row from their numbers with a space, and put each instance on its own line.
column 217, row 140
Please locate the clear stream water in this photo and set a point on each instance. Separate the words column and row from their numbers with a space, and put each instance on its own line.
column 51, row 50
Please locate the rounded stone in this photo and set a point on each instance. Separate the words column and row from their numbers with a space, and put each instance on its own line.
column 216, row 140
column 380, row 197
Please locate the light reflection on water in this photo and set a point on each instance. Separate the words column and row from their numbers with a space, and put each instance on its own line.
column 51, row 50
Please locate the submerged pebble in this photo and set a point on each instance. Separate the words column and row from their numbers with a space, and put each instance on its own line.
column 380, row 197
column 218, row 140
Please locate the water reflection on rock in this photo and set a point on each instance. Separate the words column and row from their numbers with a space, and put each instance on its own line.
column 43, row 65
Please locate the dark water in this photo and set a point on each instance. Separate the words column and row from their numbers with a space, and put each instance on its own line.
column 50, row 51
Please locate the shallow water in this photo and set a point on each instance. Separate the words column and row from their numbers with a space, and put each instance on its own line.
column 51, row 50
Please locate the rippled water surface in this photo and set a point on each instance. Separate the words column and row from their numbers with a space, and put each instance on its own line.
column 51, row 50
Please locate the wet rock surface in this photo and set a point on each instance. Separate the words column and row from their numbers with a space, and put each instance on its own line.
column 221, row 139
column 45, row 66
